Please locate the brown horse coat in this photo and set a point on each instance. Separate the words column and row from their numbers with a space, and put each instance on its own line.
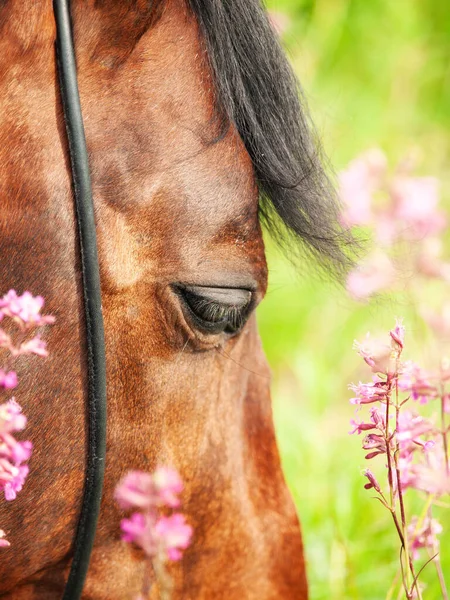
column 176, row 202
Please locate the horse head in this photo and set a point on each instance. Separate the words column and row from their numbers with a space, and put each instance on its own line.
column 195, row 134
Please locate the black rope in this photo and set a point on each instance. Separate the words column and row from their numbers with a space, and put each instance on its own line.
column 73, row 118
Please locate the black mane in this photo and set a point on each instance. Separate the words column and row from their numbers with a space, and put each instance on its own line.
column 258, row 92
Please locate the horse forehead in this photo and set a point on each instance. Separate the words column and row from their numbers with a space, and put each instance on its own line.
column 158, row 148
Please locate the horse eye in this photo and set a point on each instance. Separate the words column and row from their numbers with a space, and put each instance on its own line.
column 216, row 310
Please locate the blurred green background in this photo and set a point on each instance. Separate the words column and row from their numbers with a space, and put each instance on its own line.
column 376, row 73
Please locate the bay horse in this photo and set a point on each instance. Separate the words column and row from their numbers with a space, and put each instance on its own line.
column 196, row 134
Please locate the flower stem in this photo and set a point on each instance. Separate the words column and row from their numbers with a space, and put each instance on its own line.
column 440, row 574
column 444, row 430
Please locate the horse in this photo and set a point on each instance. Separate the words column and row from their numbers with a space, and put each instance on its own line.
column 198, row 136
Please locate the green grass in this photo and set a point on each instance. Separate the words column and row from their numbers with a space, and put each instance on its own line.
column 376, row 74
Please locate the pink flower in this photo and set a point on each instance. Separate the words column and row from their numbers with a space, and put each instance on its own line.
column 423, row 535
column 11, row 488
column 411, row 427
column 357, row 184
column 376, row 443
column 398, row 333
column 135, row 490
column 446, row 403
column 26, row 308
column 8, row 380
column 138, row 489
column 11, row 417
column 367, row 393
column 168, row 484
column 416, row 200
column 174, row 533
column 439, row 322
column 373, row 483
column 379, row 356
column 373, row 275
column 134, row 528
column 360, row 427
column 3, row 543
column 414, row 380
column 428, row 474
column 34, row 346
column 429, row 260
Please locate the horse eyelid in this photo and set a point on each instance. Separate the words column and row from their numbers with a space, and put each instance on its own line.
column 216, row 310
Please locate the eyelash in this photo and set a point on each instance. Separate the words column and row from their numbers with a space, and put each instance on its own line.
column 214, row 317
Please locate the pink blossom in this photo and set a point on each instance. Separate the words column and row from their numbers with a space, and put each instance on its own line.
column 385, row 228
column 360, row 427
column 135, row 490
column 378, row 355
column 34, row 346
column 3, row 543
column 373, row 483
column 168, row 484
column 11, row 488
column 376, row 443
column 138, row 489
column 446, row 403
column 411, row 428
column 429, row 259
column 26, row 308
column 8, row 380
column 438, row 321
column 374, row 274
column 174, row 533
column 429, row 474
column 423, row 535
column 414, row 380
column 398, row 333
column 11, row 417
column 357, row 185
column 134, row 528
column 368, row 393
column 415, row 200
column 12, row 452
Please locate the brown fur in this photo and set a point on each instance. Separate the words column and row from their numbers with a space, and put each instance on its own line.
column 171, row 207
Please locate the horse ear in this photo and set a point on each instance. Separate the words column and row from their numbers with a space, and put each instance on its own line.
column 110, row 29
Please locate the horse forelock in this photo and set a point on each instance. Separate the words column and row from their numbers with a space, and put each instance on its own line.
column 257, row 91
